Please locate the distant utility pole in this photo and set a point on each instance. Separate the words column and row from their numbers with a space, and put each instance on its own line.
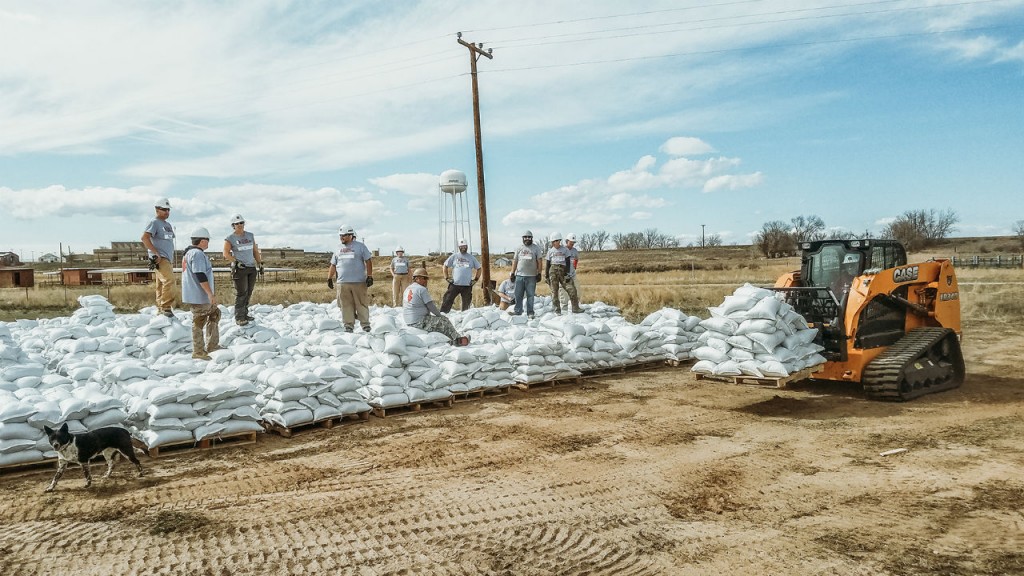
column 475, row 52
column 702, row 235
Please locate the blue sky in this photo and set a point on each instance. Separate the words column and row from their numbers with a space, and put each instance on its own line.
column 617, row 116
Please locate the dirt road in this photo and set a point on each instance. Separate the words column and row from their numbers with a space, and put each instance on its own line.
column 645, row 473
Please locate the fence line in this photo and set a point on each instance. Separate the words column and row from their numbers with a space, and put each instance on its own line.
column 1012, row 261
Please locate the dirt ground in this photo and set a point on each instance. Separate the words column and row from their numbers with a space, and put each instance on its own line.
column 645, row 473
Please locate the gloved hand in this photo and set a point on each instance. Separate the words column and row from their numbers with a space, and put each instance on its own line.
column 260, row 272
column 538, row 277
column 512, row 276
column 450, row 281
column 234, row 266
column 369, row 281
column 153, row 262
column 330, row 283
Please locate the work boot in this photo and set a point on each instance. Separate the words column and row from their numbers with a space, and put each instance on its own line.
column 168, row 313
column 241, row 321
column 199, row 356
column 462, row 341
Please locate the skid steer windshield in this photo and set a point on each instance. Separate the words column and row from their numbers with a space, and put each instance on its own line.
column 833, row 267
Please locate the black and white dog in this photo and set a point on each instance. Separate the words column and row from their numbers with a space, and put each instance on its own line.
column 81, row 448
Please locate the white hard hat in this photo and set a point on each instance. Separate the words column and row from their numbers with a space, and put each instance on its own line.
column 570, row 237
column 399, row 248
column 201, row 232
column 237, row 219
column 346, row 230
column 163, row 203
column 463, row 243
column 555, row 236
column 528, row 233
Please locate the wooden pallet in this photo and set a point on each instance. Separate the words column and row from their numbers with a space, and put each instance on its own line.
column 288, row 431
column 548, row 383
column 412, row 407
column 765, row 381
column 598, row 372
column 675, row 363
column 481, row 393
column 191, row 445
column 645, row 365
column 44, row 464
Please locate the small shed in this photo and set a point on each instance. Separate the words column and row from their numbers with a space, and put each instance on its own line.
column 48, row 258
column 80, row 277
column 17, row 278
column 9, row 259
column 502, row 262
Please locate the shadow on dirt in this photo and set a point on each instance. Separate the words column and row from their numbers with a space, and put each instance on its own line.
column 819, row 407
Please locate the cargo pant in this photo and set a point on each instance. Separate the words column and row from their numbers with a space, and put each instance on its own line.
column 564, row 299
column 163, row 280
column 557, row 280
column 439, row 324
column 354, row 303
column 205, row 328
column 245, row 282
column 398, row 285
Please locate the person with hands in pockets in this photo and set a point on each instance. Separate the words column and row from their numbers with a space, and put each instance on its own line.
column 246, row 264
column 352, row 268
column 399, row 276
column 198, row 292
column 158, row 237
column 556, row 266
column 526, row 273
column 462, row 270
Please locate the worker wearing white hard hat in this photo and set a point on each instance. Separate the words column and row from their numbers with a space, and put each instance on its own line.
column 352, row 268
column 574, row 262
column 158, row 237
column 198, row 293
column 399, row 276
column 526, row 271
column 462, row 270
column 556, row 264
column 241, row 251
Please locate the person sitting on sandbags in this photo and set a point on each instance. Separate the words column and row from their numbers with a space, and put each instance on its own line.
column 419, row 310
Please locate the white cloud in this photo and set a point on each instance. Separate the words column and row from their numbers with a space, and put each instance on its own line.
column 733, row 182
column 686, row 146
column 640, row 215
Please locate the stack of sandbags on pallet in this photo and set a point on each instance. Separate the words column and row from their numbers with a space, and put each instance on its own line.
column 21, row 434
column 679, row 331
column 302, row 393
column 639, row 343
column 539, row 356
column 189, row 408
column 95, row 310
column 754, row 333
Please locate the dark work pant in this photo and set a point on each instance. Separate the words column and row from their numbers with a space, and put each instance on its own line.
column 449, row 297
column 245, row 281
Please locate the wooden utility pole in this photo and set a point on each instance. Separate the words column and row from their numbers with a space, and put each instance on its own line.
column 475, row 52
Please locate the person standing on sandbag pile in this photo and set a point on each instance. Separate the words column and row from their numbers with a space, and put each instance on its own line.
column 399, row 276
column 158, row 237
column 198, row 292
column 419, row 310
column 461, row 270
column 573, row 264
column 555, row 264
column 526, row 273
column 246, row 264
column 352, row 267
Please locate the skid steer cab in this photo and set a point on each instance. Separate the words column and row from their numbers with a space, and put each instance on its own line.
column 890, row 325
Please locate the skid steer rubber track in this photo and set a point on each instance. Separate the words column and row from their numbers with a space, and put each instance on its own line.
column 925, row 361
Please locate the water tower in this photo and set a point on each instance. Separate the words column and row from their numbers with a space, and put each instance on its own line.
column 453, row 211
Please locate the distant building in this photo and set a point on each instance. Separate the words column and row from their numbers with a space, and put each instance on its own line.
column 17, row 278
column 49, row 258
column 502, row 262
column 134, row 254
column 9, row 259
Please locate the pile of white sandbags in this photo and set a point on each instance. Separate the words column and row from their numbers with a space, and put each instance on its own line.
column 679, row 331
column 95, row 310
column 754, row 333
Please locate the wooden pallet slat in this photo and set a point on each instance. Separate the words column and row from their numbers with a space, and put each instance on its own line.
column 552, row 383
column 479, row 393
column 45, row 463
column 326, row 423
column 763, row 381
column 193, row 445
column 385, row 411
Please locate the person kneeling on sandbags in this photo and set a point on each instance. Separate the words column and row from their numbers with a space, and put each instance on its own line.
column 419, row 310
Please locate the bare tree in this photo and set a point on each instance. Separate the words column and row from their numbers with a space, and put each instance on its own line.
column 774, row 239
column 713, row 240
column 917, row 229
column 1018, row 228
column 808, row 229
column 600, row 239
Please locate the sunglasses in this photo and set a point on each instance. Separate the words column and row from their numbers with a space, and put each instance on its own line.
column 239, row 224
column 164, row 209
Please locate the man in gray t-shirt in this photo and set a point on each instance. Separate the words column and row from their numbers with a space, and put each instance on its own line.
column 419, row 310
column 462, row 270
column 158, row 238
column 197, row 292
column 352, row 267
column 526, row 272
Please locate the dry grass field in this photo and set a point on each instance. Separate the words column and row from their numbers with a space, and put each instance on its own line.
column 643, row 473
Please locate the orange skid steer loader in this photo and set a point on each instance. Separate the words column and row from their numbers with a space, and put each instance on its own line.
column 891, row 326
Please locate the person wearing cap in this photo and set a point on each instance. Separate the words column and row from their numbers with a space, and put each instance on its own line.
column 158, row 238
column 246, row 264
column 399, row 276
column 352, row 267
column 556, row 262
column 574, row 262
column 506, row 294
column 461, row 270
column 526, row 273
column 197, row 292
column 419, row 310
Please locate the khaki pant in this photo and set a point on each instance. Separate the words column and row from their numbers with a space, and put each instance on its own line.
column 205, row 328
column 354, row 303
column 398, row 285
column 163, row 279
column 557, row 280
